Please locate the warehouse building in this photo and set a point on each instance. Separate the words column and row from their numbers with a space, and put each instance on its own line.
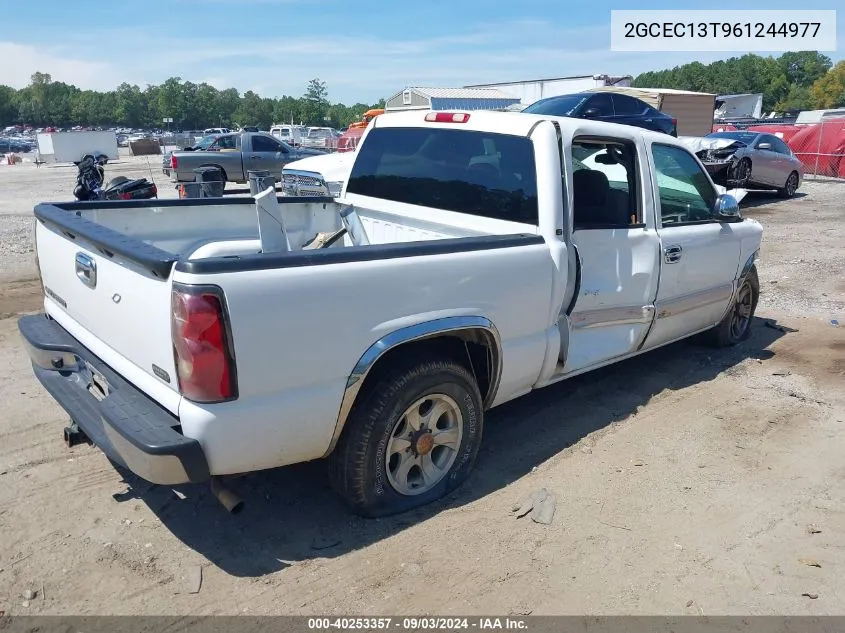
column 450, row 99
column 533, row 90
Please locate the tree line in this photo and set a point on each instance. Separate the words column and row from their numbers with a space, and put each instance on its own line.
column 794, row 81
column 191, row 106
column 805, row 80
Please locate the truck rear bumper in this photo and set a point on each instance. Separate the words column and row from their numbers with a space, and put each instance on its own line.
column 130, row 428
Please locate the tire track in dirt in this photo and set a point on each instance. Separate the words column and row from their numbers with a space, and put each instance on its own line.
column 19, row 297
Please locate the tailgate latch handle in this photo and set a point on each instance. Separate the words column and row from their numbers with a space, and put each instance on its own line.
column 86, row 270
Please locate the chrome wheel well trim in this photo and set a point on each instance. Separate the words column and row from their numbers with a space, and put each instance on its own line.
column 420, row 331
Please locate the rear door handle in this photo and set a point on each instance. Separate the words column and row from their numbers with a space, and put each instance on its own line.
column 255, row 157
column 672, row 254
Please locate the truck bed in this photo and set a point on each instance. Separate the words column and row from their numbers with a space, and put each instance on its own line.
column 158, row 233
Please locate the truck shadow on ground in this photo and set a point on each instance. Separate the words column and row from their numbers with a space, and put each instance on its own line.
column 757, row 199
column 292, row 515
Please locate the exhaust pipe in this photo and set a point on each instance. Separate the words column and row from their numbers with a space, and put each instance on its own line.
column 232, row 502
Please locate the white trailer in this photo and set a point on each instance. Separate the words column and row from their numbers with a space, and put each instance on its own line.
column 744, row 106
column 67, row 147
column 533, row 90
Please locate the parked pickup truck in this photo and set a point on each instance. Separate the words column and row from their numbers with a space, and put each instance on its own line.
column 317, row 175
column 471, row 258
column 236, row 154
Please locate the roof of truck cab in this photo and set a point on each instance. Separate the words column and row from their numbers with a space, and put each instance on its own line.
column 515, row 123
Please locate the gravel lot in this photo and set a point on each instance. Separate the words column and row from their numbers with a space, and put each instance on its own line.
column 688, row 481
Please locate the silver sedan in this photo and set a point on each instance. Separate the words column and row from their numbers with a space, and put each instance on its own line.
column 751, row 160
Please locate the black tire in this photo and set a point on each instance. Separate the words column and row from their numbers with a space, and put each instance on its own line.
column 117, row 180
column 358, row 466
column 729, row 332
column 790, row 186
column 742, row 173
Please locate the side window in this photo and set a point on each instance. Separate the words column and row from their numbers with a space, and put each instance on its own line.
column 686, row 194
column 602, row 102
column 781, row 147
column 627, row 106
column 604, row 184
column 265, row 144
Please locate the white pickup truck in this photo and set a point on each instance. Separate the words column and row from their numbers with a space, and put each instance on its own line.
column 471, row 258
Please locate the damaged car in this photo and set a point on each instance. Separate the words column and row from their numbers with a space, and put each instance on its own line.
column 749, row 160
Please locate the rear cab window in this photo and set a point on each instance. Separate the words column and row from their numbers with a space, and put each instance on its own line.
column 227, row 142
column 478, row 173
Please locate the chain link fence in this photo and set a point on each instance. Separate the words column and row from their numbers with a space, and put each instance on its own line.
column 821, row 148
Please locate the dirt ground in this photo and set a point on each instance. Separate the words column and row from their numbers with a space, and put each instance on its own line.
column 688, row 480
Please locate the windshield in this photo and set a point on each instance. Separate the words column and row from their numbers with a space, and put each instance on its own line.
column 563, row 105
column 205, row 141
column 321, row 133
column 742, row 137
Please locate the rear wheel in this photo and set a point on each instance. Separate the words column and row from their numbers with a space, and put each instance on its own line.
column 736, row 326
column 412, row 438
column 790, row 187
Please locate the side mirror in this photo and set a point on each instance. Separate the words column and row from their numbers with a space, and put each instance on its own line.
column 764, row 146
column 727, row 209
column 589, row 113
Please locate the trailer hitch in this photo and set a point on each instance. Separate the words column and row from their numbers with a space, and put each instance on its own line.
column 73, row 435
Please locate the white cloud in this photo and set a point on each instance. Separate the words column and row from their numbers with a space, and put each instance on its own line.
column 356, row 67
column 21, row 61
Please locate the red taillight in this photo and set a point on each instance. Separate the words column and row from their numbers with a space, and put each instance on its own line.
column 126, row 196
column 205, row 365
column 173, row 162
column 447, row 117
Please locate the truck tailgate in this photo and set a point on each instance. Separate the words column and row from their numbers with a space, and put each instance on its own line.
column 114, row 307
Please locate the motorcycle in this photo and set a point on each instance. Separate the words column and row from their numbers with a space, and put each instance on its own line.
column 91, row 175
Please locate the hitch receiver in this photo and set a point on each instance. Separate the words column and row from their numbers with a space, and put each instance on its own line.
column 73, row 435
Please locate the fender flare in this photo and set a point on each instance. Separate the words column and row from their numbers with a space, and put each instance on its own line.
column 416, row 332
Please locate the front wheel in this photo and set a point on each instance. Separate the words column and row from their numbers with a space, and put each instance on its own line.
column 742, row 173
column 736, row 326
column 790, row 187
column 413, row 438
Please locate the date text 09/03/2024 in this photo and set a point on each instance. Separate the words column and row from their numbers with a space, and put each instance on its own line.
column 417, row 624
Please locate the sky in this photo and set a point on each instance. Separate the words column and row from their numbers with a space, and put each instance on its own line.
column 362, row 50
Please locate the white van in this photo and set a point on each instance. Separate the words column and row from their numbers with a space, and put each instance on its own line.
column 290, row 134
column 216, row 130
